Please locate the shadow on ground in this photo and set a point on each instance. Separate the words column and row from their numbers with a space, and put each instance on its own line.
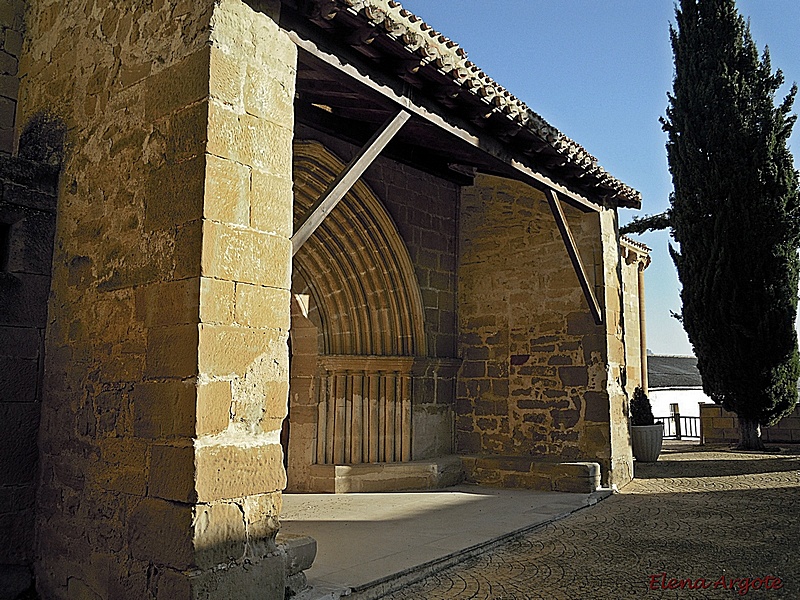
column 718, row 467
column 709, row 516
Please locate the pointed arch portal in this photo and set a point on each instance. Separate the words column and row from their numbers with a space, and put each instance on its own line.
column 356, row 267
column 354, row 285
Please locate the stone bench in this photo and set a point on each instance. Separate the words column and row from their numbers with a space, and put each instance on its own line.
column 534, row 473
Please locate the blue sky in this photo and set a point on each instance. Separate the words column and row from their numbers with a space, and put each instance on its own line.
column 600, row 72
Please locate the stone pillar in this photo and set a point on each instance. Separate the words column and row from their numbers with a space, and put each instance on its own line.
column 243, row 353
column 615, row 414
column 166, row 358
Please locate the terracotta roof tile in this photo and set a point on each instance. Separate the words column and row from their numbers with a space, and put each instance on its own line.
column 421, row 39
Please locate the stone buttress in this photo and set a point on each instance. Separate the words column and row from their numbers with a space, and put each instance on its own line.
column 166, row 369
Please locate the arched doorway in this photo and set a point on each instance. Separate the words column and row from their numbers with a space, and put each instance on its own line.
column 357, row 327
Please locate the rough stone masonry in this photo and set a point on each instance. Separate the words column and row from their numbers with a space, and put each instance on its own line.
column 164, row 392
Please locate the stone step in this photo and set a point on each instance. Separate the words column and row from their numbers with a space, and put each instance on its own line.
column 299, row 552
column 531, row 472
column 431, row 474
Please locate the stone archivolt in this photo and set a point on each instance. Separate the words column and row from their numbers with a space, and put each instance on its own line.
column 361, row 282
column 356, row 267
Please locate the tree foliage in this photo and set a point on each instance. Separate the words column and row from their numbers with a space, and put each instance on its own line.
column 647, row 223
column 735, row 213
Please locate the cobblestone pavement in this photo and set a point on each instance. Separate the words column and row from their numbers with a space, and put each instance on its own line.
column 698, row 513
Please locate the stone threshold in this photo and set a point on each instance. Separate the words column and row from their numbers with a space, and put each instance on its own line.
column 522, row 472
column 435, row 473
column 532, row 473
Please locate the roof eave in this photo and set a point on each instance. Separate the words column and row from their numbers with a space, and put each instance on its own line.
column 459, row 85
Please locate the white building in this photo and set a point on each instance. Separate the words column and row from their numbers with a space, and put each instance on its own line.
column 675, row 380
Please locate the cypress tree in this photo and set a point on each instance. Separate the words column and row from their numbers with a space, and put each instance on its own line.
column 735, row 213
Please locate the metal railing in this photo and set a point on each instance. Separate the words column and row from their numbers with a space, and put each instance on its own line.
column 677, row 427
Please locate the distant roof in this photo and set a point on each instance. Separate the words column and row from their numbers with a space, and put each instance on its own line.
column 631, row 242
column 673, row 372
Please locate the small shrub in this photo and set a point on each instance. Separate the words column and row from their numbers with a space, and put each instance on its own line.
column 641, row 411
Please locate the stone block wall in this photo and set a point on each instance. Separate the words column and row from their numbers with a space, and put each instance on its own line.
column 165, row 381
column 425, row 209
column 27, row 225
column 618, row 342
column 299, row 435
column 122, row 277
column 785, row 430
column 718, row 426
column 534, row 380
column 11, row 35
column 633, row 359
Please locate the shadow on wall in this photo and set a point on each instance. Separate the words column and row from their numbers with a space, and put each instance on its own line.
column 29, row 184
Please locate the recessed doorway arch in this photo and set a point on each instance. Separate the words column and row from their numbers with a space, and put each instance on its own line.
column 357, row 327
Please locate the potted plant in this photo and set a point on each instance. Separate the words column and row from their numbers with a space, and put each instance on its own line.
column 646, row 434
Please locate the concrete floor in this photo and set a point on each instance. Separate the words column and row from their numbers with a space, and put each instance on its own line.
column 368, row 541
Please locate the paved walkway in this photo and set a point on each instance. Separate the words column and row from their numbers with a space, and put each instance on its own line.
column 698, row 513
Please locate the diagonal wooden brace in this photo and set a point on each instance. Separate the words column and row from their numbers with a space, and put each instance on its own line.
column 346, row 179
column 574, row 256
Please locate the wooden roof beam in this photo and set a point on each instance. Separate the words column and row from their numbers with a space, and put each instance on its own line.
column 346, row 179
column 574, row 255
column 493, row 148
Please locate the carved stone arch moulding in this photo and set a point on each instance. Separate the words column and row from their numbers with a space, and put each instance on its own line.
column 366, row 302
column 356, row 266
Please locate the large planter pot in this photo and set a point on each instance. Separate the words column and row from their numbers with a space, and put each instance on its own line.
column 646, row 441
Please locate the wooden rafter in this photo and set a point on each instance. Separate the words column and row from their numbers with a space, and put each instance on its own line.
column 346, row 179
column 495, row 149
column 574, row 256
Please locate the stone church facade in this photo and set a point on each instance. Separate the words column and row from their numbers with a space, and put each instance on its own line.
column 176, row 355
